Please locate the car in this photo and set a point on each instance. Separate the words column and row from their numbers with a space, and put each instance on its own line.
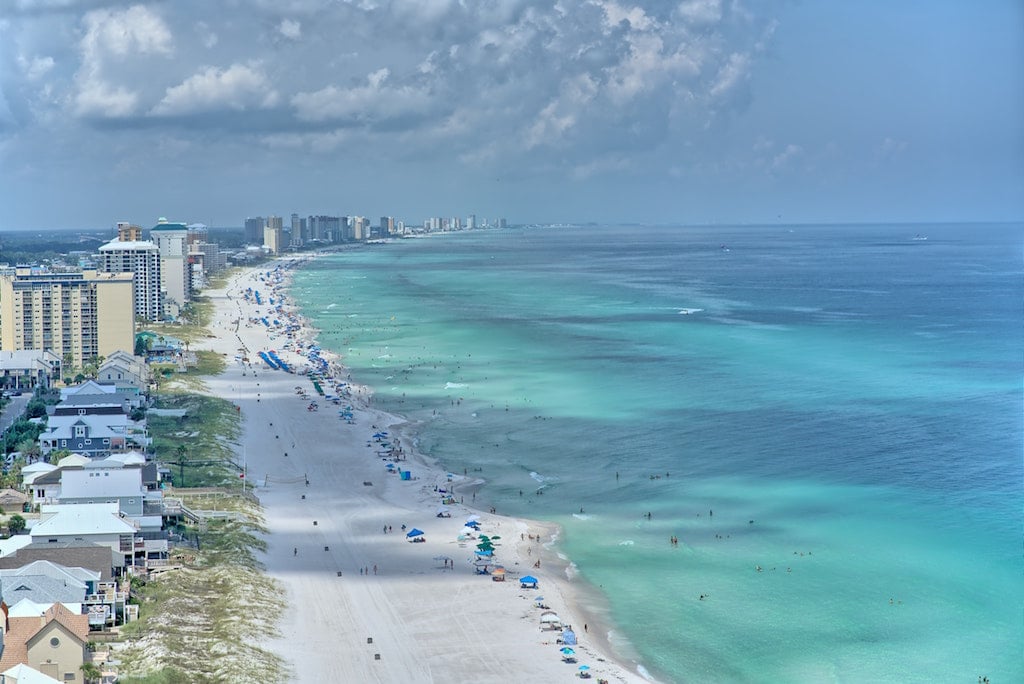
column 16, row 393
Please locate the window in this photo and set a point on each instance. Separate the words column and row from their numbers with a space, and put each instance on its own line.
column 55, row 642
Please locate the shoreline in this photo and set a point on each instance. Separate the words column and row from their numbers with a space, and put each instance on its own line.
column 349, row 489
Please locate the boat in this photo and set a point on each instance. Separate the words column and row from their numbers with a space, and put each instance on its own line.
column 920, row 237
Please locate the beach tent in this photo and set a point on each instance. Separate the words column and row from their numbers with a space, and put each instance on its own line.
column 569, row 637
column 528, row 582
column 550, row 620
column 414, row 532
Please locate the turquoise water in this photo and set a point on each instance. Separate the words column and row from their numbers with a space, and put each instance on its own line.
column 854, row 392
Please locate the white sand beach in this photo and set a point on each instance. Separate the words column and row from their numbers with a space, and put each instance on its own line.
column 368, row 606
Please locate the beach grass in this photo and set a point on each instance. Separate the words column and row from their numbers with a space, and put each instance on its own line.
column 204, row 619
column 201, row 443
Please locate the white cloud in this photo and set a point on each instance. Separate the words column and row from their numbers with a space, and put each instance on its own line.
column 731, row 74
column 290, row 29
column 36, row 67
column 114, row 36
column 239, row 87
column 700, row 11
column 373, row 101
column 98, row 98
column 786, row 157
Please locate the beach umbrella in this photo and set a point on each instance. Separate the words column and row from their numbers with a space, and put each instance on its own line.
column 584, row 668
column 538, row 599
column 415, row 532
column 567, row 651
column 485, row 553
column 473, row 518
column 495, row 537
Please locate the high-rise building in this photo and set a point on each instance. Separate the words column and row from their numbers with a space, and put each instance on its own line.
column 78, row 315
column 141, row 258
column 471, row 222
column 171, row 239
column 127, row 232
column 254, row 230
column 272, row 233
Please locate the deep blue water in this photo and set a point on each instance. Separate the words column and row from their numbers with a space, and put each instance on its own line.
column 853, row 391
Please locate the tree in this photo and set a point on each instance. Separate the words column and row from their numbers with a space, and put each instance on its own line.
column 91, row 672
column 16, row 524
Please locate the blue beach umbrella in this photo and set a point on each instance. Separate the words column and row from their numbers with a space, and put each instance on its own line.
column 584, row 668
column 567, row 651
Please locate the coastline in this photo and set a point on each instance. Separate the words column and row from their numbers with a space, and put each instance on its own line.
column 423, row 613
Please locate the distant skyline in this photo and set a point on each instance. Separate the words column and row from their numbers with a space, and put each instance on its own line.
column 693, row 112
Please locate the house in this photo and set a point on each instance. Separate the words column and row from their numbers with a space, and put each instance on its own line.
column 104, row 393
column 95, row 557
column 122, row 368
column 124, row 479
column 99, row 523
column 46, row 583
column 33, row 470
column 28, row 369
column 12, row 499
column 54, row 643
column 95, row 436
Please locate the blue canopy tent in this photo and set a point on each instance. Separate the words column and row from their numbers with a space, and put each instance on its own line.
column 528, row 582
column 414, row 532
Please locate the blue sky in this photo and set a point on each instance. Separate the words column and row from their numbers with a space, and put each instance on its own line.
column 575, row 110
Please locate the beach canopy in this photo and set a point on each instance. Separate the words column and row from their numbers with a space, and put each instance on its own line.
column 527, row 582
column 415, row 532
column 549, row 617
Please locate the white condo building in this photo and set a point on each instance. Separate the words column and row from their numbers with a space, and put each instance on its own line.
column 142, row 259
column 172, row 241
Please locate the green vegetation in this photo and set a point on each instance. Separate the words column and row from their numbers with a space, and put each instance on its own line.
column 216, row 604
column 21, row 431
column 16, row 524
column 200, row 443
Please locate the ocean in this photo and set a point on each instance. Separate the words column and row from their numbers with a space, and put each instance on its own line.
column 827, row 418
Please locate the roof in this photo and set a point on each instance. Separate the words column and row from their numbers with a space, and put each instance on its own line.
column 41, row 589
column 80, row 519
column 87, row 387
column 38, row 466
column 23, row 674
column 118, row 246
column 55, row 570
column 73, row 460
column 87, row 555
column 169, row 226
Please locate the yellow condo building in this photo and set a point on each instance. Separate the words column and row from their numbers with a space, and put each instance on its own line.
column 85, row 315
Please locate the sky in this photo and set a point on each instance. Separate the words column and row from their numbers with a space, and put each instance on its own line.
column 690, row 112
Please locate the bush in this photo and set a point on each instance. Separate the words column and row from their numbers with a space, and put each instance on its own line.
column 16, row 524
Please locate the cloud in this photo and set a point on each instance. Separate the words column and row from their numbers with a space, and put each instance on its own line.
column 700, row 11
column 373, row 102
column 36, row 67
column 290, row 29
column 239, row 87
column 730, row 75
column 113, row 36
column 786, row 157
